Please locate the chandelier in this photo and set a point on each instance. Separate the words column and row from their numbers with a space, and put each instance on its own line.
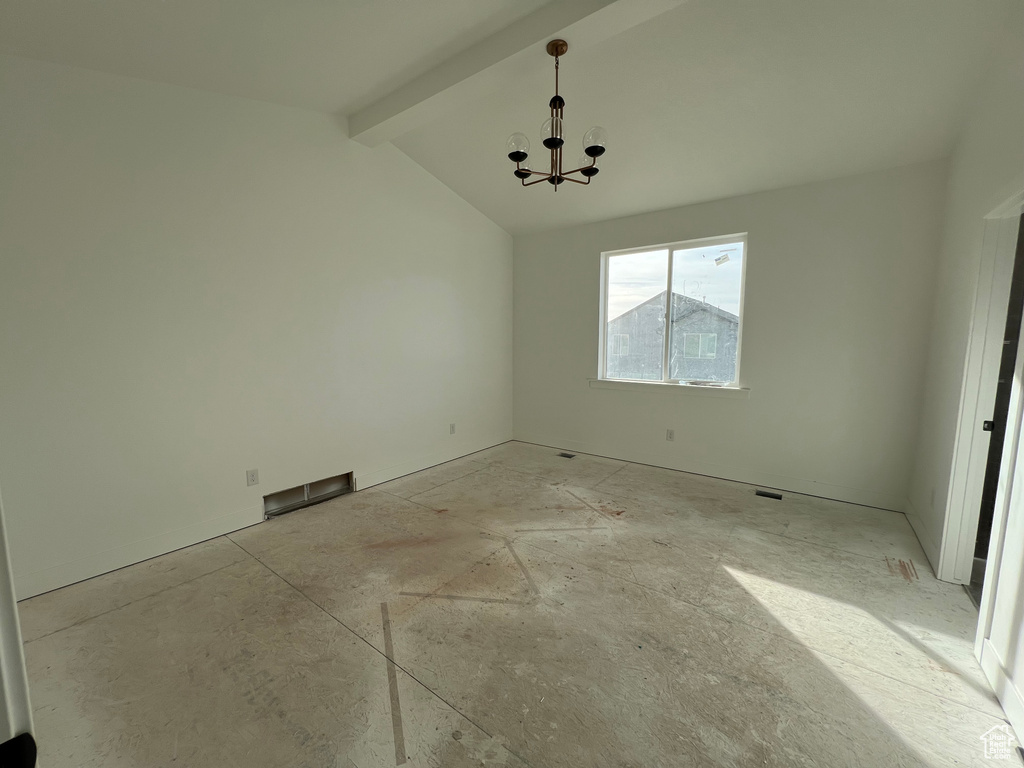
column 594, row 141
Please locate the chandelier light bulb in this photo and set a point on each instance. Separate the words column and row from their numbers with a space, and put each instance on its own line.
column 523, row 171
column 518, row 147
column 551, row 133
column 595, row 141
column 588, row 165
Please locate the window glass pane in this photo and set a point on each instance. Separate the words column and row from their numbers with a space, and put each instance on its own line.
column 706, row 288
column 691, row 345
column 708, row 345
column 620, row 344
column 636, row 309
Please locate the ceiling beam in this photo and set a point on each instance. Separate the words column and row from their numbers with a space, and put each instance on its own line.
column 485, row 66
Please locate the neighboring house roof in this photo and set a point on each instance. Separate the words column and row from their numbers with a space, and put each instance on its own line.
column 683, row 306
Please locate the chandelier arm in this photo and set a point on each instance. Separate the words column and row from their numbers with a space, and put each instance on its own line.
column 536, row 181
column 531, row 172
column 576, row 181
column 578, row 170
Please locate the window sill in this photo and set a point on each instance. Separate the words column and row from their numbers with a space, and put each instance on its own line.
column 703, row 390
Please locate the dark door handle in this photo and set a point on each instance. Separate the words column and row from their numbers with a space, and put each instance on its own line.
column 988, row 426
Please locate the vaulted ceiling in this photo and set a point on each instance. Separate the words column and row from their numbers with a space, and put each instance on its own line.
column 325, row 55
column 702, row 99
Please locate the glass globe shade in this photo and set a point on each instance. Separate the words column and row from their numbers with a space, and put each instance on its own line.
column 588, row 164
column 595, row 141
column 551, row 133
column 518, row 147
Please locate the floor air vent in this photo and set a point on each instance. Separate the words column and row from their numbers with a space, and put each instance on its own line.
column 307, row 495
column 567, row 455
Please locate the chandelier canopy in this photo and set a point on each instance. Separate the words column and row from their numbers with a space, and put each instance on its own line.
column 594, row 142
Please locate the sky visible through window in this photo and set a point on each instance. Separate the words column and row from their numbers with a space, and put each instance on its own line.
column 636, row 277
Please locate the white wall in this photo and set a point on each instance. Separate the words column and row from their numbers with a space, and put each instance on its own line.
column 838, row 298
column 193, row 285
column 986, row 168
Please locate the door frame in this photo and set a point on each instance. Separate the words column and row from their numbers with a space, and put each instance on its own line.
column 1011, row 486
column 978, row 391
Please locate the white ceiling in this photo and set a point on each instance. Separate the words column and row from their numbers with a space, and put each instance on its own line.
column 719, row 98
column 711, row 99
column 326, row 55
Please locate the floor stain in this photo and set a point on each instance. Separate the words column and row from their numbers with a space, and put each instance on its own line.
column 904, row 568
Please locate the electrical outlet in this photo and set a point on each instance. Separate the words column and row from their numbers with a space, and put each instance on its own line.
column 670, row 435
column 252, row 477
column 451, row 428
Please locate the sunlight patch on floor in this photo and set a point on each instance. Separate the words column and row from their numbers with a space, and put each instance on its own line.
column 827, row 627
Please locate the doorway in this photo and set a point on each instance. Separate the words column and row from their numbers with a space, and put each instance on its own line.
column 1000, row 641
column 984, row 366
column 997, row 425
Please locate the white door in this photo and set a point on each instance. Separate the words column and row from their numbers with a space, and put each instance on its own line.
column 978, row 397
column 1000, row 644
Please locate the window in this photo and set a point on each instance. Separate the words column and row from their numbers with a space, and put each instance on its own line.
column 673, row 313
column 700, row 345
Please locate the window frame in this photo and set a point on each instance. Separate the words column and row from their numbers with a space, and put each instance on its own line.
column 676, row 245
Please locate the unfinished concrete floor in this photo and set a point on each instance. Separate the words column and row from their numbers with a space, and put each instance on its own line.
column 538, row 611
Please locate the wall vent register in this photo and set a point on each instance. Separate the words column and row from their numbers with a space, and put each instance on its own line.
column 307, row 495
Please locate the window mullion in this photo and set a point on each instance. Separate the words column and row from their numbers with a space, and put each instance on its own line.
column 668, row 322
column 603, row 352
